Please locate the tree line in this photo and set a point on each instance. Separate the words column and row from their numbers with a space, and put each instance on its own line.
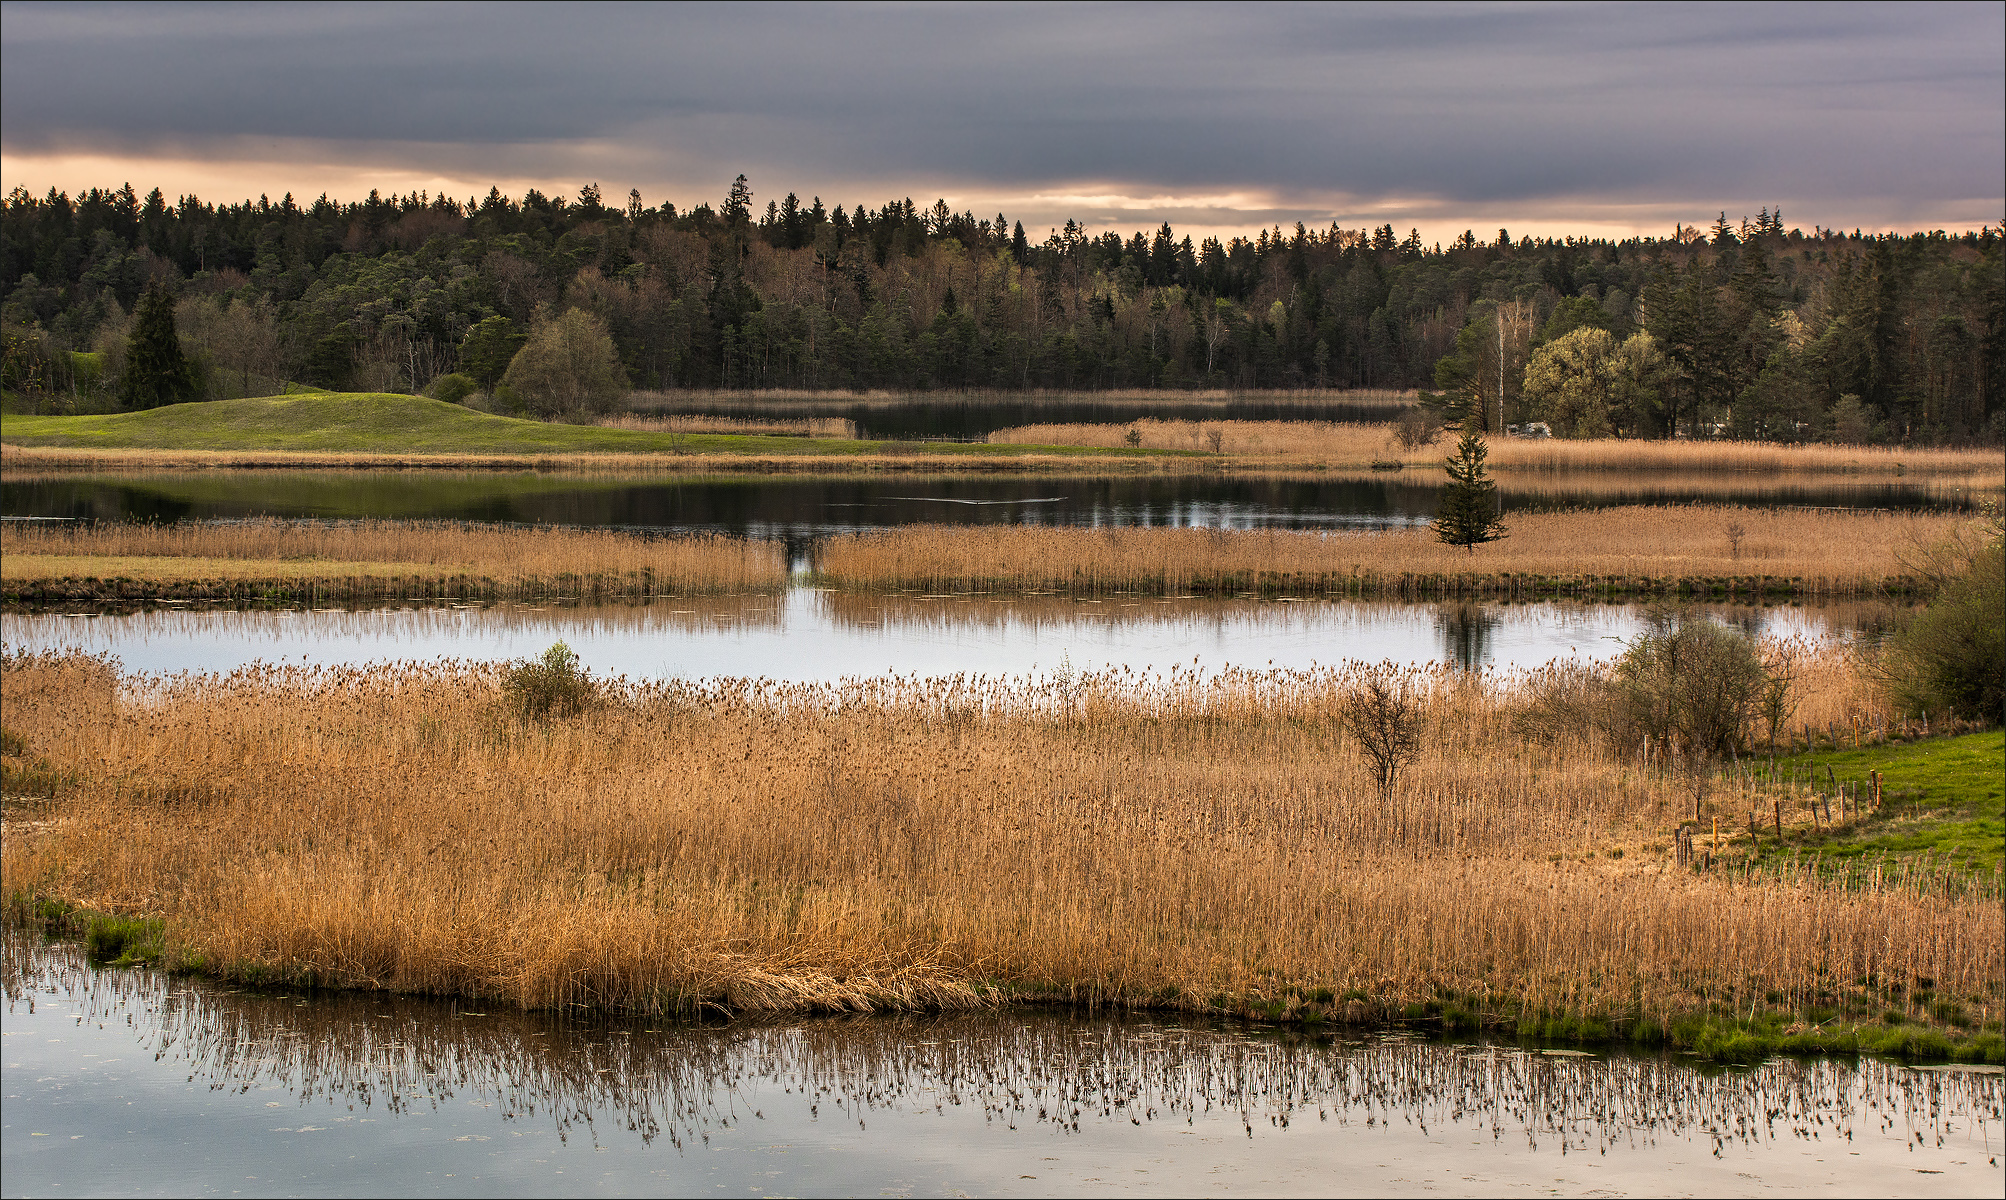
column 1744, row 329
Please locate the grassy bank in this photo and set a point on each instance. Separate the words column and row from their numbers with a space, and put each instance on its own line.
column 414, row 428
column 1684, row 550
column 1211, row 844
column 287, row 560
column 1941, row 807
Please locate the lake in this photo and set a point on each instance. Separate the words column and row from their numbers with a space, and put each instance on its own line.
column 130, row 1081
column 807, row 634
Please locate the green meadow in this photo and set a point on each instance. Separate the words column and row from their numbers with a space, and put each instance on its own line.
column 386, row 423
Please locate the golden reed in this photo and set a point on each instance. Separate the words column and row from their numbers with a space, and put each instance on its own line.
column 1363, row 442
column 1807, row 552
column 889, row 842
column 363, row 557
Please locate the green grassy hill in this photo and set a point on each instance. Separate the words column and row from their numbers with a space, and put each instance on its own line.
column 379, row 423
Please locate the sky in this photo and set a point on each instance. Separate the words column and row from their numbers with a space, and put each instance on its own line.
column 1546, row 119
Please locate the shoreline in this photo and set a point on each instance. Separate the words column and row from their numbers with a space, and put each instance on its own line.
column 113, row 942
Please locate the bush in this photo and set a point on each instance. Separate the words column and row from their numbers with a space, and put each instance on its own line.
column 1951, row 656
column 1686, row 677
column 552, row 686
column 453, row 388
column 1417, row 427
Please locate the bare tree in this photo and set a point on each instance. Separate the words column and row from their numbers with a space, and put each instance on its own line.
column 1384, row 711
column 1417, row 427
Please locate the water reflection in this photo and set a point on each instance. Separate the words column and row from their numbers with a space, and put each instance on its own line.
column 801, row 506
column 1128, row 1091
column 811, row 635
column 1466, row 633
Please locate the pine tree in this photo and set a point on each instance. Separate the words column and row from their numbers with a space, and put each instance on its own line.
column 156, row 372
column 1467, row 516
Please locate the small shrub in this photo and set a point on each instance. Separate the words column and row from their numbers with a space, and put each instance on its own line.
column 453, row 388
column 1417, row 427
column 553, row 686
column 1951, row 657
column 1384, row 713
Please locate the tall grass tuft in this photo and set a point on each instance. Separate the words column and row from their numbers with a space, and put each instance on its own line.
column 553, row 686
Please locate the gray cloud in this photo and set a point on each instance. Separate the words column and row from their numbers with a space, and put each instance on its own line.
column 1847, row 113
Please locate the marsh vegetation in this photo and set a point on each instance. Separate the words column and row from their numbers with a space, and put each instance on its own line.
column 1211, row 842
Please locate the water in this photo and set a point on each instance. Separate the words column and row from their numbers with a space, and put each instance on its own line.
column 809, row 635
column 132, row 1082
column 794, row 506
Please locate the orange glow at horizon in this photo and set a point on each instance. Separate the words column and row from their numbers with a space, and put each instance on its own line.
column 1097, row 206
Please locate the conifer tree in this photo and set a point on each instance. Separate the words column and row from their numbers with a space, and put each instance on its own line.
column 1466, row 515
column 156, row 372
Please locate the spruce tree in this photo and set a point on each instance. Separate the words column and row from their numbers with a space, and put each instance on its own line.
column 1467, row 512
column 156, row 372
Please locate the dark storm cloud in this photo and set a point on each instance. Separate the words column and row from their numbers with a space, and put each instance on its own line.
column 1476, row 105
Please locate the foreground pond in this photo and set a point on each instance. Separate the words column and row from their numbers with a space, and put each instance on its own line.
column 131, row 1082
column 809, row 505
column 809, row 635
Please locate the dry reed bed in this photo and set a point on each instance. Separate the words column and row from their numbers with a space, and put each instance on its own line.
column 368, row 557
column 897, row 842
column 1346, row 442
column 1816, row 553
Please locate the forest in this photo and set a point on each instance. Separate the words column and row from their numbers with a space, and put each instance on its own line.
column 1742, row 329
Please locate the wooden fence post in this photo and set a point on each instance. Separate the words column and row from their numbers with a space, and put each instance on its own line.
column 1776, row 811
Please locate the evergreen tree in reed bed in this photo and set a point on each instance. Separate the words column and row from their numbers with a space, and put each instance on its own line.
column 1467, row 513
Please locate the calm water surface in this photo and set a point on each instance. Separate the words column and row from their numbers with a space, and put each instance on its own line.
column 809, row 635
column 130, row 1082
column 811, row 505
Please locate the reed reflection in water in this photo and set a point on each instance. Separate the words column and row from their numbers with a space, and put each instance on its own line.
column 1104, row 1097
column 814, row 636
